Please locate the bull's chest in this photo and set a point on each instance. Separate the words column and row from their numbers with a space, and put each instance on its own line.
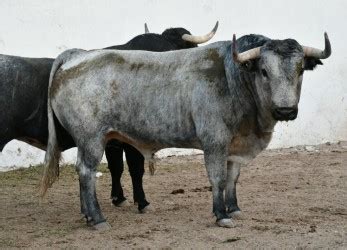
column 248, row 143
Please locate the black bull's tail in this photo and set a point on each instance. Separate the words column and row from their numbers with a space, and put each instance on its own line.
column 53, row 153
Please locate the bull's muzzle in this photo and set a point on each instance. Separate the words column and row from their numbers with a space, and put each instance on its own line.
column 284, row 113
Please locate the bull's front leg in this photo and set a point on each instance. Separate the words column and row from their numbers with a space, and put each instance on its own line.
column 233, row 173
column 216, row 161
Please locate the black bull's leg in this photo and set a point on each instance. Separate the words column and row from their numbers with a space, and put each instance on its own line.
column 114, row 156
column 135, row 160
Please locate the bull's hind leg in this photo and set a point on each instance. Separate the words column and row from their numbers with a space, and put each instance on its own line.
column 233, row 173
column 215, row 161
column 87, row 161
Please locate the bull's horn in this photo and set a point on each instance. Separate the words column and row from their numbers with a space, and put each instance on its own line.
column 244, row 56
column 200, row 39
column 317, row 53
column 146, row 29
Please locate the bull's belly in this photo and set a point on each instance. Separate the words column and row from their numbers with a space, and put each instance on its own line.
column 33, row 142
column 154, row 140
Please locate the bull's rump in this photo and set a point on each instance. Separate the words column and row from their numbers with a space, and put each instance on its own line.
column 147, row 98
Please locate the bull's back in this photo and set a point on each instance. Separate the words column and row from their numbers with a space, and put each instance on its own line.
column 148, row 42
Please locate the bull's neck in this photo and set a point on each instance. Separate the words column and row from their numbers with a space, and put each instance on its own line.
column 240, row 101
column 265, row 120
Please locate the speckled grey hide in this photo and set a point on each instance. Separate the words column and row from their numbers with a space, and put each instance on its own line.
column 196, row 98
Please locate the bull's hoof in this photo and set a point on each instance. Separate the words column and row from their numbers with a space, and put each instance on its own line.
column 102, row 226
column 123, row 203
column 147, row 209
column 225, row 223
column 236, row 215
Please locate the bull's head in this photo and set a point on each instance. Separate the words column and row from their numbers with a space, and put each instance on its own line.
column 183, row 39
column 278, row 68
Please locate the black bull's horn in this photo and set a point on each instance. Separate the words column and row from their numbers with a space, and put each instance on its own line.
column 201, row 39
column 146, row 29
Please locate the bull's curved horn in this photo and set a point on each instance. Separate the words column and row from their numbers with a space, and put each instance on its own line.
column 317, row 53
column 244, row 56
column 146, row 29
column 201, row 39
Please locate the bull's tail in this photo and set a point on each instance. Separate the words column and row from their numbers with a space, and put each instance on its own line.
column 53, row 153
column 52, row 157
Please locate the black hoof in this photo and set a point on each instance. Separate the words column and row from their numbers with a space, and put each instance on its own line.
column 118, row 201
column 141, row 206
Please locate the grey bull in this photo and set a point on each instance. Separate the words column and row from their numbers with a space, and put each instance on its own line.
column 224, row 98
column 23, row 106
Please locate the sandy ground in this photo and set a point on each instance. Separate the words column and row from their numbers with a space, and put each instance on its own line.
column 293, row 198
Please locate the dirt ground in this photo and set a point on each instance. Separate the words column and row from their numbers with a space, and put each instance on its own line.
column 290, row 198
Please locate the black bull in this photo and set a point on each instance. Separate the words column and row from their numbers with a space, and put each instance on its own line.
column 23, row 103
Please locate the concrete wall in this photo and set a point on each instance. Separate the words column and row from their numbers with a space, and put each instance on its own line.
column 40, row 28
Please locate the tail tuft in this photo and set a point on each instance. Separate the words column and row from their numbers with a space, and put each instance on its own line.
column 51, row 170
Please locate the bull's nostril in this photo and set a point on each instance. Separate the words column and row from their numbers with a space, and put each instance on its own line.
column 285, row 113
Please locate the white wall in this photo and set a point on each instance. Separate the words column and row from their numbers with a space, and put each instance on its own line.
column 41, row 28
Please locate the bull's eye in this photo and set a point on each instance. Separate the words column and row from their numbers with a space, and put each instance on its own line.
column 246, row 65
column 263, row 71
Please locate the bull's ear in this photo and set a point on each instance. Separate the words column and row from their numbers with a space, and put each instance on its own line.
column 311, row 63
